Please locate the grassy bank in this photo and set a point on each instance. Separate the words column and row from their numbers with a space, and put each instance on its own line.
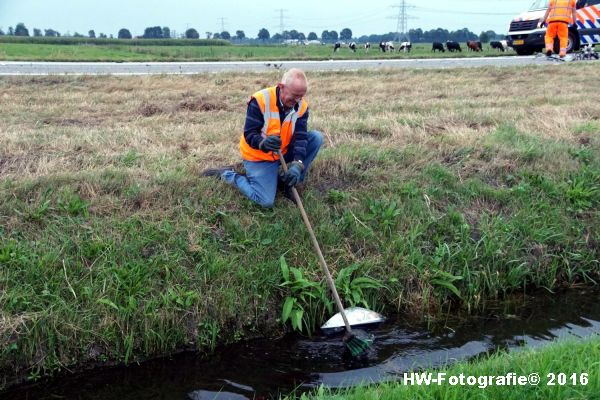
column 141, row 50
column 446, row 187
column 567, row 370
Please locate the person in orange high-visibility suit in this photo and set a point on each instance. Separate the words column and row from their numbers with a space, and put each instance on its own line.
column 276, row 120
column 560, row 14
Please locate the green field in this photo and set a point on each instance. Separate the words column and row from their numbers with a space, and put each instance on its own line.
column 114, row 52
column 448, row 188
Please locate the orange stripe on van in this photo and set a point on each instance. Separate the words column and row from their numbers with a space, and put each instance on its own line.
column 587, row 13
column 594, row 10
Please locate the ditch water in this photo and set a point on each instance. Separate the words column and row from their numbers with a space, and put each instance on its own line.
column 266, row 369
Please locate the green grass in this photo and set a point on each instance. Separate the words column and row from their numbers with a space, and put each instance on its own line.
column 182, row 52
column 114, row 250
column 567, row 370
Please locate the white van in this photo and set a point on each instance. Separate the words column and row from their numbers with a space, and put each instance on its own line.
column 526, row 38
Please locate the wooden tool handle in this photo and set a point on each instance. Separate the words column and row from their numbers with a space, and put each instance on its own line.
column 315, row 243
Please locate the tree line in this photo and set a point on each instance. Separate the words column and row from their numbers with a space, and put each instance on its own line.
column 264, row 36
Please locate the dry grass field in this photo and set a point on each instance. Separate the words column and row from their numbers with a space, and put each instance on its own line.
column 59, row 125
column 448, row 187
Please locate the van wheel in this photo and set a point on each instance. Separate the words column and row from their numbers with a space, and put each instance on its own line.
column 573, row 42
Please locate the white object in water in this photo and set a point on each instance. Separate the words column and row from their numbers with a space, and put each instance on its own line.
column 357, row 317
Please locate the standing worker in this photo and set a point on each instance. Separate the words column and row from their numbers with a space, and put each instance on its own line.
column 276, row 120
column 559, row 15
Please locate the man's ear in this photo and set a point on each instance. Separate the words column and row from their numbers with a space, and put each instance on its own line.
column 280, row 85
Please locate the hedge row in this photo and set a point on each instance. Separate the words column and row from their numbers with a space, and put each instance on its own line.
column 126, row 42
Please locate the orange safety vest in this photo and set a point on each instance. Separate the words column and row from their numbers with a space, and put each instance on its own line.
column 267, row 101
column 561, row 11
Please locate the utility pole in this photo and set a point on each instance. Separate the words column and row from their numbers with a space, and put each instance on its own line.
column 222, row 19
column 402, row 20
column 281, row 18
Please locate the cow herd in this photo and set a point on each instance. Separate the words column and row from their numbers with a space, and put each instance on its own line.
column 450, row 45
column 472, row 45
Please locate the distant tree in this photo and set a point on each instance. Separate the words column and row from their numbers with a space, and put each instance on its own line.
column 294, row 34
column 325, row 36
column 92, row 34
column 191, row 33
column 208, row 35
column 462, row 35
column 492, row 35
column 240, row 35
column 346, row 34
column 301, row 36
column 416, row 35
column 37, row 32
column 277, row 37
column 312, row 36
column 484, row 37
column 264, row 34
column 153, row 32
column 1, row 32
column 124, row 34
column 225, row 35
column 21, row 30
column 285, row 35
column 11, row 31
column 51, row 33
column 102, row 35
column 111, row 36
column 333, row 36
column 166, row 32
column 216, row 35
column 77, row 34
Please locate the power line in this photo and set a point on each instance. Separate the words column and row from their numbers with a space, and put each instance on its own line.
column 222, row 19
column 437, row 10
column 402, row 20
column 281, row 18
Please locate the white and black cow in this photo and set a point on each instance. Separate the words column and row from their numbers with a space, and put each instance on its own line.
column 386, row 46
column 367, row 46
column 405, row 47
column 352, row 46
column 336, row 46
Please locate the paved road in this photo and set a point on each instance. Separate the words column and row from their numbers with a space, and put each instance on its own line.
column 147, row 68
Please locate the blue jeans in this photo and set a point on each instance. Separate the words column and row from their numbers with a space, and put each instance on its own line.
column 259, row 183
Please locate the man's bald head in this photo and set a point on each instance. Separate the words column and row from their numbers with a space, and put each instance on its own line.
column 293, row 87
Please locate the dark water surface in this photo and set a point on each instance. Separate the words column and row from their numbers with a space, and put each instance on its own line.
column 264, row 369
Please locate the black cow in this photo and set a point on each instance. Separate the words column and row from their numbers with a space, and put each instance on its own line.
column 352, row 46
column 453, row 46
column 497, row 45
column 438, row 46
column 336, row 46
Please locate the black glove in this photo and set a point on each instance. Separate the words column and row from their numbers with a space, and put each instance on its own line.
column 270, row 143
column 292, row 176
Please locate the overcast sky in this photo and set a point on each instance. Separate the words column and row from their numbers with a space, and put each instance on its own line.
column 362, row 17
